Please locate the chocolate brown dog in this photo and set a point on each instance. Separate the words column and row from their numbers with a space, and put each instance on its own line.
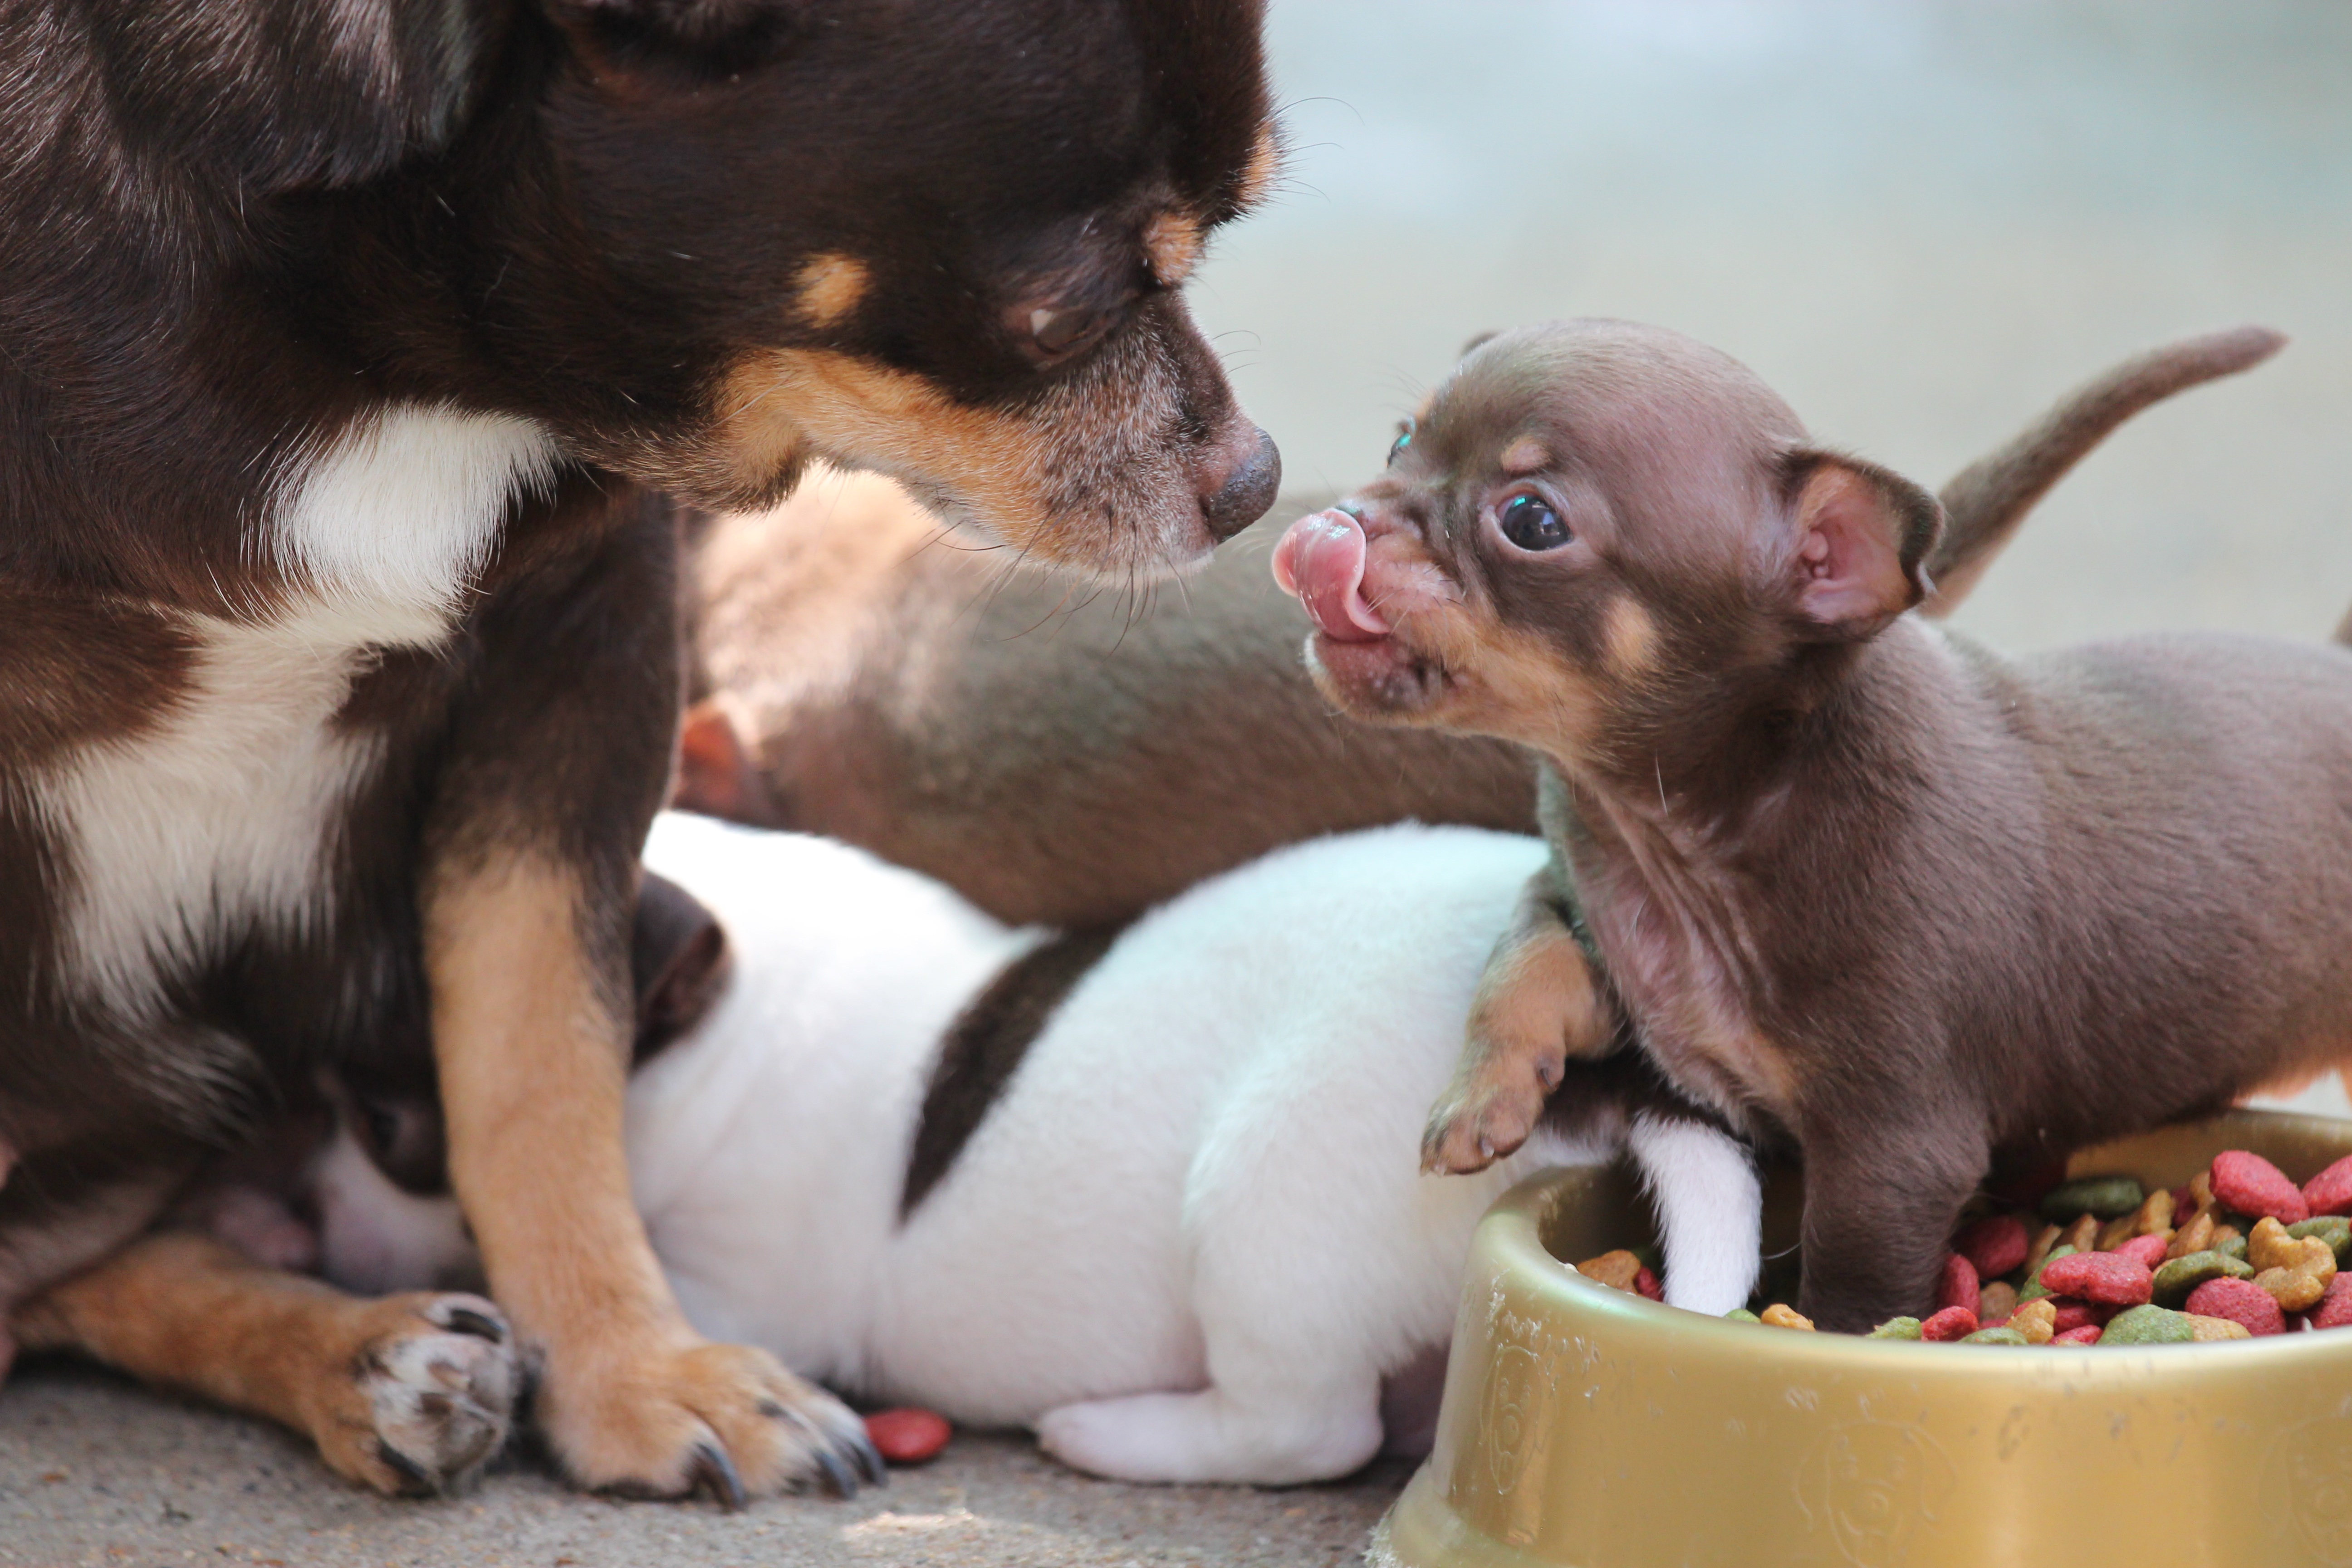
column 349, row 348
column 1852, row 880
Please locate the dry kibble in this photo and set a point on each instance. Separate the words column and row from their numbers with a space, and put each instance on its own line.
column 2037, row 1320
column 2207, row 1330
column 2156, row 1214
column 1781, row 1316
column 2197, row 1235
column 2200, row 1193
column 2118, row 1231
column 2044, row 1240
column 2252, row 1185
column 2082, row 1234
column 1617, row 1269
column 1996, row 1301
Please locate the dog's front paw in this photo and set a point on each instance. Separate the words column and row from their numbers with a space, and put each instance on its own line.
column 1489, row 1109
column 688, row 1417
column 424, row 1395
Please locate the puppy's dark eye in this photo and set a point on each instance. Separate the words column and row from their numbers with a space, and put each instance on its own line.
column 1529, row 523
column 1404, row 439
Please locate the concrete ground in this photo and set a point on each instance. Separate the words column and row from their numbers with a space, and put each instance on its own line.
column 1918, row 218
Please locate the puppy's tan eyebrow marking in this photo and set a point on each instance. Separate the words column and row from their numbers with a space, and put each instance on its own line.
column 1525, row 455
column 1172, row 243
column 830, row 286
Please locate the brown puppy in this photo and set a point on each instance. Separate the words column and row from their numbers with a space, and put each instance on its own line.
column 1073, row 757
column 1853, row 880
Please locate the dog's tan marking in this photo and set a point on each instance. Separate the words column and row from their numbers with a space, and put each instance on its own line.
column 1536, row 1007
column 1172, row 243
column 428, row 1380
column 533, row 1052
column 1525, row 455
column 830, row 289
column 1630, row 634
column 1265, row 166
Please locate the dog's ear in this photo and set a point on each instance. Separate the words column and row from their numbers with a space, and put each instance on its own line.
column 679, row 959
column 1859, row 539
column 701, row 38
column 280, row 98
column 714, row 774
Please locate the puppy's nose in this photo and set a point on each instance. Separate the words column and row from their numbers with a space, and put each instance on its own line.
column 1239, row 495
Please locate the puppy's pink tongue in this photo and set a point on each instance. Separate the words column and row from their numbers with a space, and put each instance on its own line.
column 1321, row 562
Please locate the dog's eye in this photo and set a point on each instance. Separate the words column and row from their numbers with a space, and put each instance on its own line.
column 1404, row 439
column 1058, row 332
column 1532, row 524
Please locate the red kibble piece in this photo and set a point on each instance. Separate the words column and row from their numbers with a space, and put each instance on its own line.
column 2241, row 1301
column 908, row 1437
column 2073, row 1315
column 2330, row 1192
column 2334, row 1308
column 2088, row 1334
column 2252, row 1186
column 2147, row 1251
column 2104, row 1278
column 1951, row 1323
column 1958, row 1287
column 1995, row 1246
column 1645, row 1285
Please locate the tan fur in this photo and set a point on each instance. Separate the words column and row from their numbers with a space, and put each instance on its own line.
column 830, row 289
column 185, row 1312
column 1265, row 167
column 1630, row 636
column 1525, row 455
column 1172, row 244
column 1536, row 1008
column 532, row 1056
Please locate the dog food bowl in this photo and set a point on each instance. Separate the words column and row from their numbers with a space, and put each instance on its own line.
column 1584, row 1427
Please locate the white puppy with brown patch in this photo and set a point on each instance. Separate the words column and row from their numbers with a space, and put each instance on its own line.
column 1186, row 1236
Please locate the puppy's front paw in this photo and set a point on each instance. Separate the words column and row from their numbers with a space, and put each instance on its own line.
column 421, row 1398
column 1489, row 1109
column 686, row 1417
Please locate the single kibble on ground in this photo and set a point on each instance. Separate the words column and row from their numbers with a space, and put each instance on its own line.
column 907, row 1436
column 2107, row 1261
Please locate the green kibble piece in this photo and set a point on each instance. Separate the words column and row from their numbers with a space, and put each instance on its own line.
column 2149, row 1325
column 2177, row 1276
column 2106, row 1196
column 2002, row 1336
column 1741, row 1315
column 2033, row 1289
column 1896, row 1328
column 2333, row 1228
column 2233, row 1247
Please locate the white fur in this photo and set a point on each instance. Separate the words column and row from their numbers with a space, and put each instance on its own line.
column 221, row 810
column 1193, row 1237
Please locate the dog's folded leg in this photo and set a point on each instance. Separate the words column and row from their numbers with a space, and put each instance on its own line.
column 1880, row 1203
column 406, row 1393
column 1537, row 1004
column 555, row 768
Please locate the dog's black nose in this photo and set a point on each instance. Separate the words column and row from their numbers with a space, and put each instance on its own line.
column 1247, row 491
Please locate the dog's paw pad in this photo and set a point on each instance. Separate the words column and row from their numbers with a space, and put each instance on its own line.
column 438, row 1395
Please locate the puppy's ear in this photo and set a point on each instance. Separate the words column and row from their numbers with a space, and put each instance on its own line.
column 1860, row 540
column 714, row 775
column 679, row 959
column 699, row 38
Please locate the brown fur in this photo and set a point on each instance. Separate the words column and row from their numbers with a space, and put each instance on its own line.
column 1853, row 881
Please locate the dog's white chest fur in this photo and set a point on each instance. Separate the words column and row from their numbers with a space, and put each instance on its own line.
column 221, row 810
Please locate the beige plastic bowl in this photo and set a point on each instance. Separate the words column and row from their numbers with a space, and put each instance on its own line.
column 1584, row 1427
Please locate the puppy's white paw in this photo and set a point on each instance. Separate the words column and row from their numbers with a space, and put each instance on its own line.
column 1202, row 1438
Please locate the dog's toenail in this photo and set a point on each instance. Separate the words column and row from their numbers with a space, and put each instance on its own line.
column 838, row 1480
column 713, row 1472
column 773, row 1409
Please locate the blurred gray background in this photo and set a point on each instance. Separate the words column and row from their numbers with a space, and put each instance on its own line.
column 1918, row 221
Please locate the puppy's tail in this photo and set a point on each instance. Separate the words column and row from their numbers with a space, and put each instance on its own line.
column 1985, row 502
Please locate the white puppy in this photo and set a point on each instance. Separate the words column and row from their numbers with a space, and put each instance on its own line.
column 1189, row 1238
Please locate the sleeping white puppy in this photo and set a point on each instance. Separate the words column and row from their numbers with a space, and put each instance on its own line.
column 1186, row 1239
